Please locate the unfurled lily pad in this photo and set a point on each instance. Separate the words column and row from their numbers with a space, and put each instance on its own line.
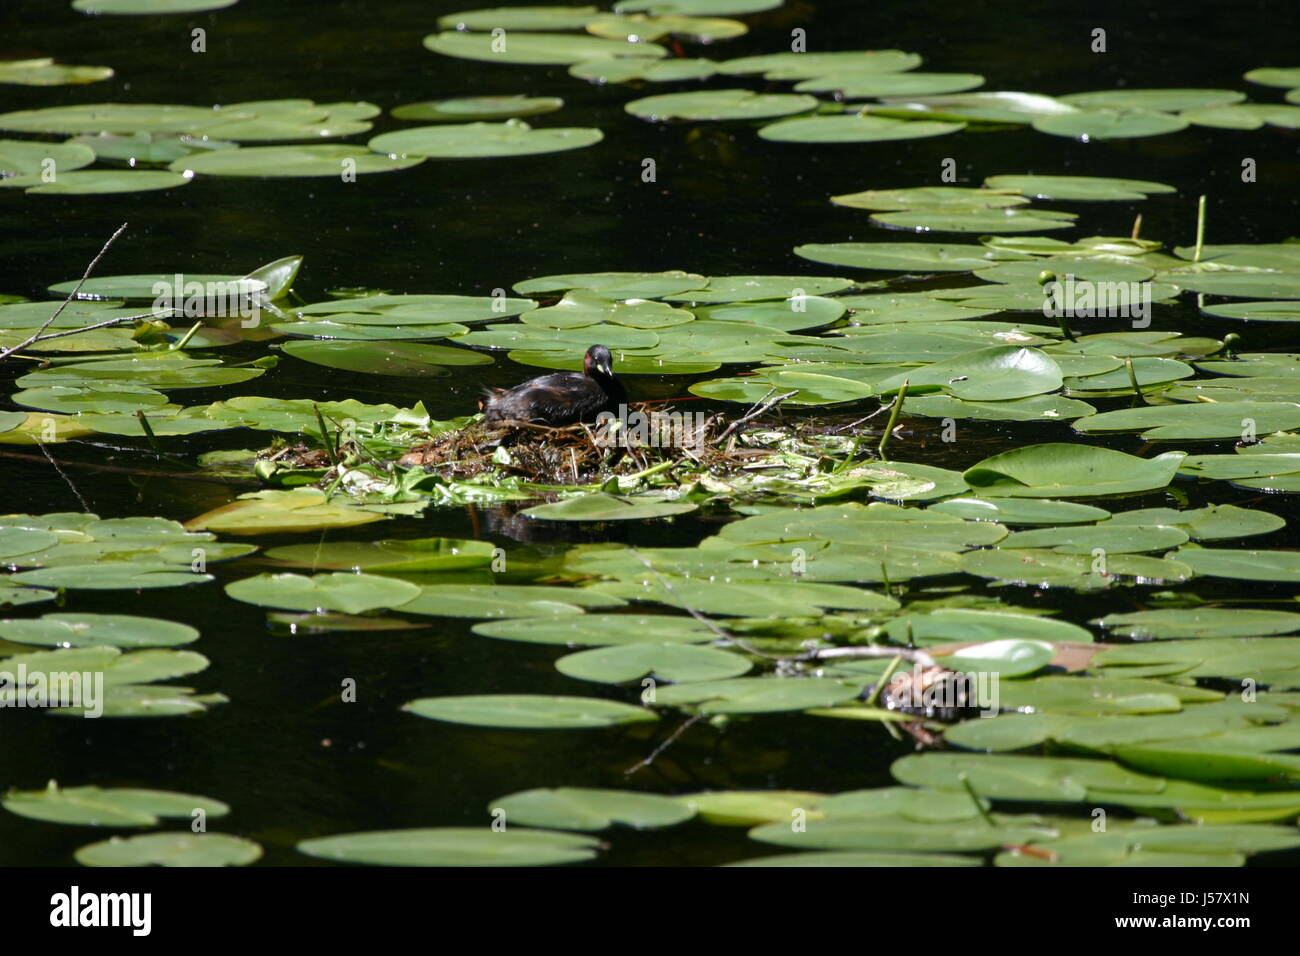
column 720, row 105
column 171, row 849
column 477, row 140
column 536, row 48
column 453, row 846
column 277, row 161
column 527, row 711
column 111, row 807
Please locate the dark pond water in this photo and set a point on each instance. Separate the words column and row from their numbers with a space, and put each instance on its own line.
column 291, row 759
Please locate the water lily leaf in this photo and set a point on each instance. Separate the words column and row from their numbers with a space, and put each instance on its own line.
column 590, row 809
column 15, row 597
column 1093, row 269
column 1032, row 408
column 63, row 398
column 1020, row 778
column 113, row 807
column 96, row 630
column 945, row 198
column 24, row 159
column 1208, row 523
column 348, row 593
column 1199, row 421
column 799, row 66
column 529, row 711
column 853, row 84
column 1206, row 622
column 672, row 70
column 1274, row 76
column 886, row 833
column 1246, row 285
column 114, row 576
column 1167, row 100
column 743, row 808
column 1040, row 568
column 720, row 105
column 1251, row 311
column 477, row 140
column 369, row 326
column 521, row 18
column 1090, row 124
column 1147, row 370
column 468, row 109
column 1006, row 658
column 669, row 662
column 1020, row 511
column 453, row 846
column 757, row 695
column 504, row 601
column 853, row 128
column 44, row 71
column 313, row 160
column 171, row 849
column 405, row 359
column 742, row 598
column 1058, row 469
column 603, row 507
column 98, row 182
column 850, row 858
column 996, row 106
column 150, row 7
column 899, row 256
column 1078, row 188
column 398, row 554
column 1111, row 537
column 977, row 220
column 949, row 625
column 726, row 289
column 1242, row 565
column 600, row 630
column 536, row 48
column 277, row 512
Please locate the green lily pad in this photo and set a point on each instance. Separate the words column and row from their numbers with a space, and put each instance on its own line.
column 603, row 507
column 24, row 159
column 1242, row 565
column 171, row 849
column 1090, row 124
column 404, row 359
column 1078, row 188
column 1198, row 421
column 505, row 601
column 469, row 109
column 1020, row 511
column 918, row 257
column 43, row 71
column 853, row 84
column 977, row 220
column 453, row 846
column 1064, row 470
column 600, row 630
column 757, row 695
column 114, row 807
column 477, row 140
column 720, row 105
column 95, row 630
column 315, row 160
column 536, row 48
column 799, row 66
column 529, row 711
column 1207, row 622
column 1251, row 311
column 149, row 7
column 348, row 593
column 402, row 554
column 853, row 128
column 98, row 182
column 673, row 662
column 1166, row 100
column 590, row 809
column 1035, row 567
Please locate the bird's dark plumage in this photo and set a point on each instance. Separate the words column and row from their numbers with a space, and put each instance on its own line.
column 560, row 398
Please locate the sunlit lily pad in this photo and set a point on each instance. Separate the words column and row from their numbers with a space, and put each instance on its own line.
column 453, row 846
column 1207, row 622
column 171, row 849
column 406, row 359
column 94, row 630
column 476, row 140
column 581, row 808
column 505, row 601
column 1167, row 100
column 853, row 128
column 149, row 7
column 757, row 695
column 45, row 72
column 672, row 662
column 25, row 159
column 1242, row 565
column 1078, row 188
column 899, row 256
column 603, row 507
column 1063, row 470
column 529, row 711
column 798, row 66
column 112, row 807
column 348, row 593
column 536, row 48
column 720, row 105
column 91, row 182
column 316, row 160
column 1090, row 124
column 1195, row 421
column 600, row 630
column 470, row 109
column 854, row 84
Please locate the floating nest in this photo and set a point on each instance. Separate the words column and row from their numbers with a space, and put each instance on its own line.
column 582, row 453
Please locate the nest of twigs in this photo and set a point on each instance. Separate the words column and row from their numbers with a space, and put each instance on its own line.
column 581, row 453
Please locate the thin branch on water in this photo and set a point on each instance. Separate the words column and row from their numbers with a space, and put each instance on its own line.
column 62, row 474
column 672, row 739
column 71, row 295
column 763, row 405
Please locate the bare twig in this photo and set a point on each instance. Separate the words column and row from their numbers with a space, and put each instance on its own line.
column 763, row 405
column 672, row 738
column 71, row 295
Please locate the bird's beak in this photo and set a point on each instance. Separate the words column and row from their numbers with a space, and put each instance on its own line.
column 604, row 369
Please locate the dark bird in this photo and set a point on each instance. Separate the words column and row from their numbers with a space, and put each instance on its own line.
column 560, row 398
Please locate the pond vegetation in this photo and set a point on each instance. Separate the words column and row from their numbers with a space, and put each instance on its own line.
column 1004, row 510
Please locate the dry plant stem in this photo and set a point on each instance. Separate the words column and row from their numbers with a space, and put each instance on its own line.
column 754, row 412
column 71, row 295
column 672, row 739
